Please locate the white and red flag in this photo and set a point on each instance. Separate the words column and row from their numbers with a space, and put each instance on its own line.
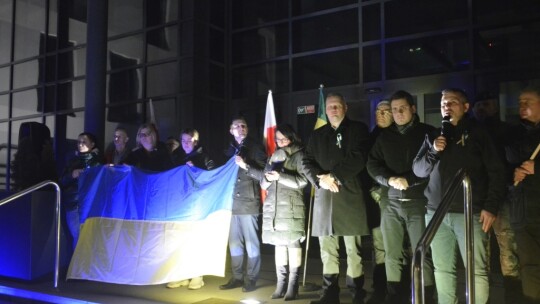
column 269, row 125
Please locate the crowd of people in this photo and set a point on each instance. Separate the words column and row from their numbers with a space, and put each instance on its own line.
column 387, row 182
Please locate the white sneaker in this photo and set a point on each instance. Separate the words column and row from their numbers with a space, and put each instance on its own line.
column 178, row 284
column 196, row 283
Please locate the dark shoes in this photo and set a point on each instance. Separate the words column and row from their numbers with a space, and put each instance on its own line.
column 233, row 283
column 249, row 286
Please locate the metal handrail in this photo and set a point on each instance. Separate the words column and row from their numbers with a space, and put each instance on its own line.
column 417, row 274
column 57, row 219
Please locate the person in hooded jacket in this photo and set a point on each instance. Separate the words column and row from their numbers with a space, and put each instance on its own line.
column 284, row 210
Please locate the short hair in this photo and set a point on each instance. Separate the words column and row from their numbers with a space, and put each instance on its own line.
column 461, row 93
column 535, row 89
column 191, row 132
column 288, row 131
column 90, row 136
column 403, row 95
column 239, row 117
column 336, row 95
column 121, row 129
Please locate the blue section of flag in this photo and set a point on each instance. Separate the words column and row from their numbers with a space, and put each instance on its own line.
column 180, row 194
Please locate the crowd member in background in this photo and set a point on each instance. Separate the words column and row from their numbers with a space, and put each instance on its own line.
column 403, row 204
column 527, row 178
column 243, row 235
column 284, row 210
column 383, row 119
column 462, row 144
column 195, row 157
column 118, row 150
column 486, row 112
column 333, row 162
column 172, row 144
column 150, row 154
column 87, row 155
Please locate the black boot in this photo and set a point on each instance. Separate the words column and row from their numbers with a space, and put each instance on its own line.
column 512, row 290
column 379, row 285
column 429, row 295
column 292, row 288
column 330, row 291
column 395, row 294
column 281, row 274
column 356, row 285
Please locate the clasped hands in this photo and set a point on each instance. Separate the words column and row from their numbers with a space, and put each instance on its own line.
column 328, row 182
column 399, row 183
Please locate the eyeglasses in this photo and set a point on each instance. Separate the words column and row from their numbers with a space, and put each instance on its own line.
column 383, row 112
column 142, row 134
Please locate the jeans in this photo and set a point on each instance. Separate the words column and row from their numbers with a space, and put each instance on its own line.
column 398, row 218
column 73, row 223
column 449, row 238
column 243, row 237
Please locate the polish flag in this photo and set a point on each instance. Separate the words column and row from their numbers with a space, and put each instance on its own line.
column 269, row 126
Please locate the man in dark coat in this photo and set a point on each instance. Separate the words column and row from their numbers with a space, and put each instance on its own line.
column 527, row 176
column 403, row 204
column 335, row 156
column 243, row 236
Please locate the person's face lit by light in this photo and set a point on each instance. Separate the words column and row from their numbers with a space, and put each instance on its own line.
column 188, row 143
column 281, row 140
column 147, row 139
column 239, row 130
column 84, row 144
column 120, row 140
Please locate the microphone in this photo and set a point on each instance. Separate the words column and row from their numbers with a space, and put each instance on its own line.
column 276, row 160
column 446, row 127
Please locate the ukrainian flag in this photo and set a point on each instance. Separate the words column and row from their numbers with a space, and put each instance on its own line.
column 144, row 228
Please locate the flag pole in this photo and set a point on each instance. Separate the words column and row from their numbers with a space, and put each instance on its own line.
column 312, row 286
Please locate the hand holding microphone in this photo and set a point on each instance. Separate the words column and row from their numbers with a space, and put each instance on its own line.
column 446, row 133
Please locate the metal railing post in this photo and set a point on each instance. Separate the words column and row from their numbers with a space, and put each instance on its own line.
column 56, row 215
column 417, row 275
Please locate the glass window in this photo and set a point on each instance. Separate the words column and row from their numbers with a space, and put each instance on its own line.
column 125, row 52
column 25, row 103
column 217, row 81
column 4, row 106
column 372, row 68
column 330, row 69
column 130, row 113
column 124, row 16
column 4, row 79
column 5, row 31
column 53, row 17
column 217, row 45
column 257, row 80
column 166, row 112
column 26, row 74
column 78, row 92
column 65, row 66
column 306, row 7
column 161, row 11
column 415, row 16
column 3, row 154
column 371, row 22
column 489, row 12
column 29, row 24
column 74, row 127
column 261, row 43
column 162, row 43
column 507, row 46
column 79, row 62
column 430, row 55
column 255, row 12
column 162, row 79
column 325, row 31
column 77, row 22
column 125, row 85
column 217, row 13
